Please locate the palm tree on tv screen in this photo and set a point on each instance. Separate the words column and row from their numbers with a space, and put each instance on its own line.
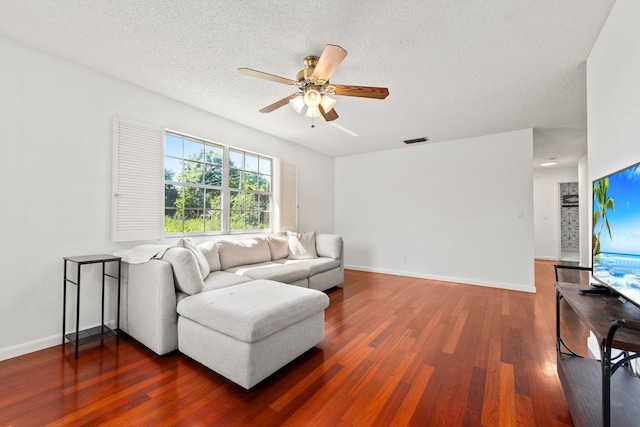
column 605, row 203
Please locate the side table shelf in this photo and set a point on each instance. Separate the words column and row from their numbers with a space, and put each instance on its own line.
column 102, row 331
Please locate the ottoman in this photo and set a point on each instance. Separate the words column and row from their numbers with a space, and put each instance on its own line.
column 248, row 331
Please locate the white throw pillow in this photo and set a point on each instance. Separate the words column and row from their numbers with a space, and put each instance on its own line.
column 302, row 245
column 185, row 270
column 279, row 246
column 203, row 265
column 210, row 252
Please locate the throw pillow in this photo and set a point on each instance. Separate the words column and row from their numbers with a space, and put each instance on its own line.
column 185, row 270
column 279, row 247
column 203, row 265
column 302, row 245
column 210, row 252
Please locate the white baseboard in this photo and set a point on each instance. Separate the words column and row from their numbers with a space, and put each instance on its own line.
column 37, row 345
column 30, row 347
column 499, row 285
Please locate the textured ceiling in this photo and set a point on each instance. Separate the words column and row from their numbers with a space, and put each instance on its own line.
column 454, row 69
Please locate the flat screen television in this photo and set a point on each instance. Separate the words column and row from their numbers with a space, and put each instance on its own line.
column 616, row 232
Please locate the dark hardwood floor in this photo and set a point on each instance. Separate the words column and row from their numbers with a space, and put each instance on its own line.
column 397, row 351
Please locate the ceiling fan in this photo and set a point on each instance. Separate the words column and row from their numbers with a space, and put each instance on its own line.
column 313, row 82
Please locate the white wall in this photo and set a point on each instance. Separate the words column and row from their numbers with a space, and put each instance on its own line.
column 584, row 193
column 55, row 132
column 613, row 89
column 546, row 209
column 444, row 210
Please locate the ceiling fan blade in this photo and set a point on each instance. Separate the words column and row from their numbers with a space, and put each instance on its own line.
column 362, row 91
column 331, row 57
column 328, row 116
column 266, row 76
column 278, row 104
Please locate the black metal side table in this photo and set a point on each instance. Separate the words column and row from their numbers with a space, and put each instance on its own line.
column 99, row 332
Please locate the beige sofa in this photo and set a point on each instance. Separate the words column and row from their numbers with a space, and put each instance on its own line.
column 231, row 304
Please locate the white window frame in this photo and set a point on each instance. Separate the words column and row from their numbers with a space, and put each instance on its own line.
column 226, row 190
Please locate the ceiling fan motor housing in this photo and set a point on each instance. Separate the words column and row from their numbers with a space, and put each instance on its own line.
column 305, row 76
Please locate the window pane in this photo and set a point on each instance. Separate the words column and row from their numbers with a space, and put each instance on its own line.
column 172, row 145
column 251, row 201
column 236, row 159
column 265, row 220
column 213, row 199
column 250, row 163
column 193, row 220
column 172, row 221
column 170, row 195
column 237, row 201
column 212, row 221
column 265, row 183
column 265, row 166
column 213, row 175
column 193, row 150
column 237, row 221
column 265, row 202
column 193, row 172
column 234, row 178
column 250, row 181
column 252, row 220
column 213, row 154
column 172, row 169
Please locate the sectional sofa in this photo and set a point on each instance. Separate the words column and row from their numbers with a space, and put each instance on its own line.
column 244, row 308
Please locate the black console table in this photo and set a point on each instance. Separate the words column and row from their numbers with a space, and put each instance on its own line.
column 99, row 332
column 597, row 397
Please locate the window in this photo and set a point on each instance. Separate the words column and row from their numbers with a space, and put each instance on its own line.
column 250, row 191
column 211, row 188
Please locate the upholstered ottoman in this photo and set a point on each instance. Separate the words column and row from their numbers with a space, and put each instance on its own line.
column 248, row 331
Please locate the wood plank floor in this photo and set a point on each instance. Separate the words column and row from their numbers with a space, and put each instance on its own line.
column 397, row 351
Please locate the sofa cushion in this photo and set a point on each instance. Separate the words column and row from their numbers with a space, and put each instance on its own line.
column 279, row 246
column 242, row 252
column 329, row 245
column 312, row 266
column 203, row 264
column 210, row 252
column 187, row 277
column 302, row 245
column 271, row 271
column 254, row 310
column 222, row 279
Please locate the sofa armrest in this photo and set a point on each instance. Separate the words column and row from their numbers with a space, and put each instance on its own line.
column 149, row 304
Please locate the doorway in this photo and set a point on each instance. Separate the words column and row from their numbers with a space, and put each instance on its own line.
column 569, row 222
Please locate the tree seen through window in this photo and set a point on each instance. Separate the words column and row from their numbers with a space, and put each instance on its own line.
column 195, row 188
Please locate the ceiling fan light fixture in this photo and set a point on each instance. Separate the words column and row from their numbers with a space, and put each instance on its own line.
column 327, row 103
column 312, row 98
column 297, row 103
column 313, row 111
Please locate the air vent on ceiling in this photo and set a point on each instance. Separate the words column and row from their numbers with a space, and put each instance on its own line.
column 415, row 141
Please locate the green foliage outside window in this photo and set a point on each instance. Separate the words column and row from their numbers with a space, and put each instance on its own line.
column 193, row 188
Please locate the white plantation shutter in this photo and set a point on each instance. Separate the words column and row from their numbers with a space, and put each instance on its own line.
column 287, row 197
column 137, row 181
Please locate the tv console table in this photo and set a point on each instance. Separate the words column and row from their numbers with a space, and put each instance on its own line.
column 597, row 397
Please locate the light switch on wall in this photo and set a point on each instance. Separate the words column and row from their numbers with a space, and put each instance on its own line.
column 519, row 214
